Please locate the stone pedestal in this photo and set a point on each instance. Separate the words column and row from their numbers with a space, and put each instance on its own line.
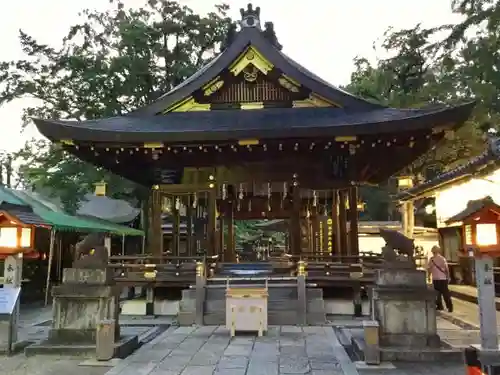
column 86, row 302
column 406, row 310
column 84, row 299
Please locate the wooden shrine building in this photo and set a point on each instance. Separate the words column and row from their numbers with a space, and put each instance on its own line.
column 255, row 135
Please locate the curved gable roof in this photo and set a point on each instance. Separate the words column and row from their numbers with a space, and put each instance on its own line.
column 251, row 36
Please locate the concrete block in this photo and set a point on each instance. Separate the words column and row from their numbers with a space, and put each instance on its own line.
column 186, row 318
column 4, row 333
column 188, row 294
column 317, row 305
column 316, row 318
column 372, row 349
column 134, row 307
column 166, row 307
column 314, row 293
column 105, row 340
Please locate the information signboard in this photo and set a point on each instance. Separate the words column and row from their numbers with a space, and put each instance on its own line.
column 8, row 300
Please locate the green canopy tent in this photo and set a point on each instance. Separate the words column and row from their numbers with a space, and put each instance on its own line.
column 60, row 221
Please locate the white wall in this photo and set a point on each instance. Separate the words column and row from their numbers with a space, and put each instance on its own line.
column 453, row 200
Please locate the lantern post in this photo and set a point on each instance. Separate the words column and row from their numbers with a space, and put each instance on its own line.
column 16, row 239
column 481, row 229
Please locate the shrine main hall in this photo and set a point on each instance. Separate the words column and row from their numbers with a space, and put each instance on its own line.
column 255, row 135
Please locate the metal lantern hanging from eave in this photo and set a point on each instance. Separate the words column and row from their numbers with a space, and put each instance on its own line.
column 405, row 182
column 15, row 236
column 480, row 226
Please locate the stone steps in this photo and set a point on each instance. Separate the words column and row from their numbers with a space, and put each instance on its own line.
column 282, row 306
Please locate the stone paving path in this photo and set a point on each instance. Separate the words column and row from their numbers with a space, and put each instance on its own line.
column 209, row 350
column 46, row 365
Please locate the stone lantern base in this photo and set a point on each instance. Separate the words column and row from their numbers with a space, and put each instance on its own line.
column 405, row 307
column 86, row 299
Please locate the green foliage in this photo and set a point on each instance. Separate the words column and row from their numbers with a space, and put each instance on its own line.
column 451, row 63
column 419, row 74
column 248, row 231
column 110, row 64
column 377, row 202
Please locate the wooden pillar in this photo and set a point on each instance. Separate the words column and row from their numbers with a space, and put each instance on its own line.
column 230, row 250
column 198, row 228
column 342, row 223
column 353, row 219
column 176, row 217
column 155, row 241
column 222, row 244
column 212, row 223
column 324, row 237
column 316, row 231
column 335, row 228
column 189, row 226
column 408, row 218
column 309, row 237
column 295, row 235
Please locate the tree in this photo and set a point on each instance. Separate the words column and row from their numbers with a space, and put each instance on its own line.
column 426, row 67
column 419, row 74
column 111, row 63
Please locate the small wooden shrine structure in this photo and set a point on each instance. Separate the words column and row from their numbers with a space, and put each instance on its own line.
column 255, row 135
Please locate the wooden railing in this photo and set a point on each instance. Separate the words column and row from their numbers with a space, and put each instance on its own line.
column 166, row 270
column 323, row 269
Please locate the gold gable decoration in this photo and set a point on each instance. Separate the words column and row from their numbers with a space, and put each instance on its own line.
column 314, row 100
column 252, row 87
column 251, row 57
column 249, row 83
column 187, row 105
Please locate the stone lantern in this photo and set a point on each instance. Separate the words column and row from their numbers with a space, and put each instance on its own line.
column 480, row 226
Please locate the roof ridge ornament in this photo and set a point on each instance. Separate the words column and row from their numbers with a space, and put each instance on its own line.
column 270, row 35
column 250, row 17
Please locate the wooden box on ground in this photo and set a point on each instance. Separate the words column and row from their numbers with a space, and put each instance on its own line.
column 246, row 309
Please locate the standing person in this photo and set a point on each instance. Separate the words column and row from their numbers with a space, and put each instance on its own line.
column 438, row 268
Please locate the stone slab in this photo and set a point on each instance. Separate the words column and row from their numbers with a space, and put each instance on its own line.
column 91, row 362
column 123, row 348
column 285, row 350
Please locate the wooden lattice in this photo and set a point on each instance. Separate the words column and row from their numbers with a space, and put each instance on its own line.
column 261, row 90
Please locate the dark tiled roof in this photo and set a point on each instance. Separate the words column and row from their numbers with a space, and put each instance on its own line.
column 475, row 166
column 264, row 123
column 473, row 207
column 28, row 217
column 23, row 213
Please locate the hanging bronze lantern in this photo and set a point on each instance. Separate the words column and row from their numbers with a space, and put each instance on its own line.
column 224, row 192
column 269, row 195
column 166, row 205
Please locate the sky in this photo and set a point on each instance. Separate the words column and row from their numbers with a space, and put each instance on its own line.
column 322, row 35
